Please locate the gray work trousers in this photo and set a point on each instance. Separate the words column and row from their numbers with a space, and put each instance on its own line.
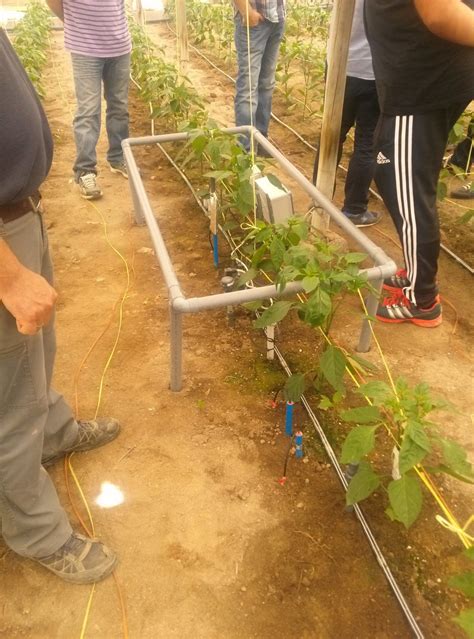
column 35, row 421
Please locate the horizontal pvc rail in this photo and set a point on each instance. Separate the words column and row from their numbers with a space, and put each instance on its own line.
column 179, row 304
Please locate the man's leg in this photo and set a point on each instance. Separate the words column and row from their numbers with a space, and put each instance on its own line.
column 87, row 72
column 409, row 155
column 362, row 164
column 463, row 155
column 246, row 86
column 32, row 520
column 61, row 429
column 266, row 79
column 116, row 82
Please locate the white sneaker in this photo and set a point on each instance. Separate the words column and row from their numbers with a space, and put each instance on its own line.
column 88, row 186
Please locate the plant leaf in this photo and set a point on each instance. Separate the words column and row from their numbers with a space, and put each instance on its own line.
column 456, row 458
column 410, row 454
column 354, row 258
column 247, row 276
column 378, row 391
column 363, row 484
column 464, row 582
column 362, row 415
column 294, row 387
column 417, row 433
column 358, row 443
column 333, row 365
column 274, row 314
column 466, row 620
column 405, row 498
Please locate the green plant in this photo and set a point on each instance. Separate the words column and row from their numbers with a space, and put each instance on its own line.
column 31, row 39
column 172, row 96
column 465, row 583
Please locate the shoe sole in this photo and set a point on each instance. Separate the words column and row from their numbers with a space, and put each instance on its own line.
column 118, row 171
column 459, row 196
column 92, row 577
column 92, row 197
column 363, row 226
column 433, row 323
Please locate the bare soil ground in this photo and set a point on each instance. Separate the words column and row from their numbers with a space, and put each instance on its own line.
column 210, row 545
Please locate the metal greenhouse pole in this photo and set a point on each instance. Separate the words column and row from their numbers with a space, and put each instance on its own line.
column 338, row 46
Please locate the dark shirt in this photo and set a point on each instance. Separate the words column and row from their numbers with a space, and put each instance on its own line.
column 26, row 145
column 415, row 70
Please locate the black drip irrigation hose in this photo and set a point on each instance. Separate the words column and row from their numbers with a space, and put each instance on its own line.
column 455, row 257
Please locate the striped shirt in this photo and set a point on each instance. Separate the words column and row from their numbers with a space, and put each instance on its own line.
column 96, row 28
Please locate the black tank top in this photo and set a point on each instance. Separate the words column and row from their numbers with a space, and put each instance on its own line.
column 415, row 70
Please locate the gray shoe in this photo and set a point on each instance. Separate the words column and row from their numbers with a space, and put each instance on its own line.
column 91, row 434
column 81, row 560
column 465, row 192
column 119, row 167
column 88, row 186
column 367, row 218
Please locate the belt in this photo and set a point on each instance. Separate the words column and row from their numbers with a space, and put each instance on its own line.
column 14, row 210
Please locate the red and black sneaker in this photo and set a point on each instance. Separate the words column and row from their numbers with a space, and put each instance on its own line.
column 397, row 309
column 397, row 281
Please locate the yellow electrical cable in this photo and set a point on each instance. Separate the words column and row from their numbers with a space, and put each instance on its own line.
column 122, row 302
column 86, row 617
column 68, row 464
column 81, row 493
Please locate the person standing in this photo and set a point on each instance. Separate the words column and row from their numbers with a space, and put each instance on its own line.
column 423, row 55
column 97, row 36
column 360, row 108
column 259, row 26
column 36, row 424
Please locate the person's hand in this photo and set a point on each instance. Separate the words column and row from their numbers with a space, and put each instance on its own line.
column 29, row 298
column 254, row 18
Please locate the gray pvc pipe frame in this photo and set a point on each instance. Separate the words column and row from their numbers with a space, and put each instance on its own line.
column 179, row 304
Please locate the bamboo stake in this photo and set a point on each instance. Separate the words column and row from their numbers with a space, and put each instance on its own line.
column 338, row 46
column 181, row 34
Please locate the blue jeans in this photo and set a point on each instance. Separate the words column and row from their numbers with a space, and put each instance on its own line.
column 265, row 41
column 89, row 73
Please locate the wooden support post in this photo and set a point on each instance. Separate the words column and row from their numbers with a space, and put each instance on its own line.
column 137, row 8
column 338, row 46
column 181, row 34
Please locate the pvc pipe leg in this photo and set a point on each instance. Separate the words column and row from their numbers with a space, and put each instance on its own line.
column 176, row 350
column 139, row 217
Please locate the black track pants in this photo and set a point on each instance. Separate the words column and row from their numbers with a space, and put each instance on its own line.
column 361, row 108
column 409, row 151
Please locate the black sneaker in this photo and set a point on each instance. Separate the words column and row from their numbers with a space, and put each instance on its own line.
column 466, row 192
column 81, row 560
column 397, row 309
column 119, row 167
column 88, row 186
column 396, row 282
column 91, row 434
column 367, row 218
